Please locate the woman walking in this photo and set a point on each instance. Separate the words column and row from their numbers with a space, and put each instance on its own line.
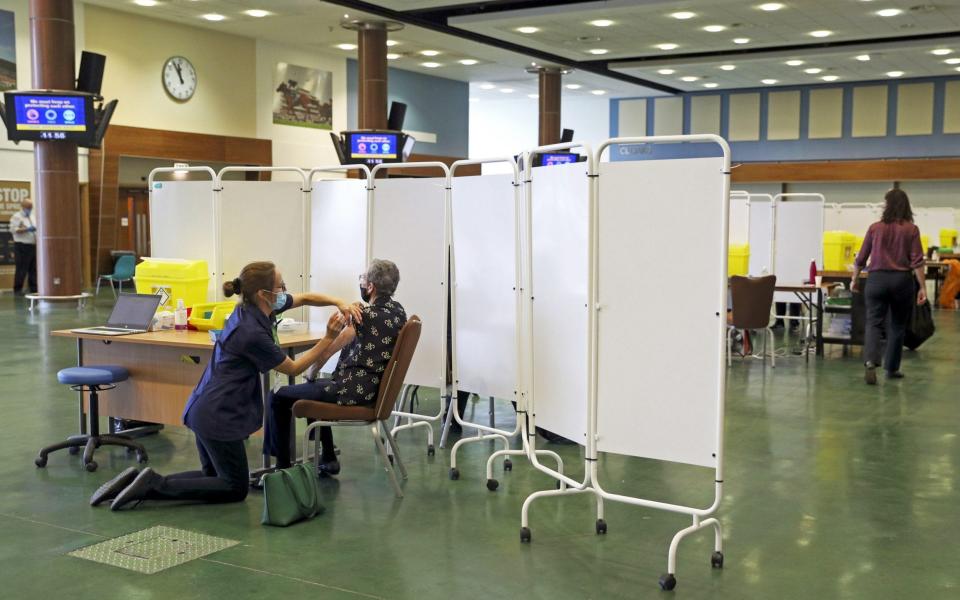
column 893, row 248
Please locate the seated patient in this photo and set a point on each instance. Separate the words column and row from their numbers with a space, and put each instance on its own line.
column 367, row 345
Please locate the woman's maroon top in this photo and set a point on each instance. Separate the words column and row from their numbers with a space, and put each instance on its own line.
column 891, row 247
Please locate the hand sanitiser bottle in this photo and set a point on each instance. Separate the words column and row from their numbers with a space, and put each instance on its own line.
column 180, row 316
column 813, row 270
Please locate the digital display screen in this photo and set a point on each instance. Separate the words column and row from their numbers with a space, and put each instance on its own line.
column 40, row 117
column 381, row 146
column 548, row 160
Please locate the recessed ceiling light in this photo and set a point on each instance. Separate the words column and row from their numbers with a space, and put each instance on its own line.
column 487, row 86
column 145, row 2
column 727, row 67
column 534, row 96
column 347, row 46
column 821, row 33
column 392, row 56
column 256, row 12
column 683, row 15
column 889, row 12
column 468, row 62
column 952, row 61
column 506, row 90
column 741, row 40
column 598, row 92
column 711, row 85
column 392, row 43
column 598, row 51
column 714, row 28
column 768, row 81
column 431, row 65
column 214, row 17
column 794, row 63
column 689, row 78
column 573, row 86
column 601, row 23
column 528, row 29
column 894, row 73
column 941, row 51
column 830, row 78
column 429, row 52
column 863, row 58
column 770, row 6
column 813, row 70
column 666, row 71
column 667, row 46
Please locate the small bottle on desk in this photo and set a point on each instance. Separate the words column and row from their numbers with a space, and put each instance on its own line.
column 180, row 316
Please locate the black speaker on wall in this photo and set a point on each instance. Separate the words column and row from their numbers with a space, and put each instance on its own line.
column 90, row 77
column 398, row 112
column 566, row 136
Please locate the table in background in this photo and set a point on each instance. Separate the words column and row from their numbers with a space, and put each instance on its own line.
column 805, row 294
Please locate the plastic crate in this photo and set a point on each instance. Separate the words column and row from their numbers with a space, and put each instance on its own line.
column 838, row 250
column 738, row 259
column 185, row 280
column 211, row 315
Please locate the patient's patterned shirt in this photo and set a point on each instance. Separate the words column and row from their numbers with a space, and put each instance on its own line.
column 356, row 379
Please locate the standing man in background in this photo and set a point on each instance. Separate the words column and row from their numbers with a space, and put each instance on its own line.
column 24, row 232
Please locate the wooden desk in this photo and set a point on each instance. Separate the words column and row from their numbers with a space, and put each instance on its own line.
column 164, row 368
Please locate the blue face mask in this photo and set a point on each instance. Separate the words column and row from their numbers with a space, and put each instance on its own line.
column 26, row 212
column 280, row 301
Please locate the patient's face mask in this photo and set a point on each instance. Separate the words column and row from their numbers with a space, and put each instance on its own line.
column 364, row 294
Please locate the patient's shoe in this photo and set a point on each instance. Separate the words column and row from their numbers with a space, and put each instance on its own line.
column 110, row 489
column 327, row 469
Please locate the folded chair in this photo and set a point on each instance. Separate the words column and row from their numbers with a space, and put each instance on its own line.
column 752, row 301
column 374, row 416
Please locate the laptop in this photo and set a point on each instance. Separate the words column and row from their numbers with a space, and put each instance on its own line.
column 132, row 313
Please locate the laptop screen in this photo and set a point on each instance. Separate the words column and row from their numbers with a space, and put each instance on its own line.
column 134, row 311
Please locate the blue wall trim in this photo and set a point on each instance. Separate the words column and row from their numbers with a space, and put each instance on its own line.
column 845, row 147
column 434, row 105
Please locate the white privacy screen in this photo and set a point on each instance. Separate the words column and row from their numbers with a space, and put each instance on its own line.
column 761, row 235
column 484, row 251
column 739, row 220
column 559, row 314
column 932, row 220
column 799, row 239
column 263, row 220
column 338, row 244
column 659, row 339
column 182, row 225
column 853, row 218
column 408, row 228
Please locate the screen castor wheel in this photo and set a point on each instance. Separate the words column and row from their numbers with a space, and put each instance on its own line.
column 431, row 451
column 508, row 465
column 492, row 485
column 525, row 535
column 601, row 527
column 716, row 560
column 74, row 450
column 141, row 457
column 90, row 466
column 667, row 582
column 454, row 474
column 40, row 461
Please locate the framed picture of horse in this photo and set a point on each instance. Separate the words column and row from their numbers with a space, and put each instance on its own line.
column 303, row 97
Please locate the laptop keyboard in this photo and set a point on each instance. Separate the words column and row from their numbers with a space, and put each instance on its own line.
column 117, row 329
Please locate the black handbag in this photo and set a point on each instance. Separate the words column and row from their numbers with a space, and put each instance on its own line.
column 921, row 327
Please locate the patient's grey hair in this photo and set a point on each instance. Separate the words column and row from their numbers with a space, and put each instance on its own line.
column 384, row 275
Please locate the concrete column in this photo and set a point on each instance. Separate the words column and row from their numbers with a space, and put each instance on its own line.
column 56, row 196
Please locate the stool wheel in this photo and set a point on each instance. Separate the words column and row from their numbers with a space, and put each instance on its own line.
column 91, row 466
column 40, row 461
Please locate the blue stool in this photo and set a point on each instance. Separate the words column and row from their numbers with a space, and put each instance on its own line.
column 92, row 380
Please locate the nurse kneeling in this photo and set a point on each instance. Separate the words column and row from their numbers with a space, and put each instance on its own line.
column 227, row 405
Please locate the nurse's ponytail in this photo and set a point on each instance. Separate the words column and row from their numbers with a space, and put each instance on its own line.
column 254, row 277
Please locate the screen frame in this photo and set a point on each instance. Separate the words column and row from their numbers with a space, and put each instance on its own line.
column 84, row 137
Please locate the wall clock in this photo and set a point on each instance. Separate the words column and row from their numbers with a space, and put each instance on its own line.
column 179, row 78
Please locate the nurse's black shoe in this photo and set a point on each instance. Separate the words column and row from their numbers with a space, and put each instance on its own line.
column 136, row 491
column 328, row 469
column 110, row 489
column 894, row 375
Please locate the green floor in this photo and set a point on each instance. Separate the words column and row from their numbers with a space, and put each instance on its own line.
column 833, row 490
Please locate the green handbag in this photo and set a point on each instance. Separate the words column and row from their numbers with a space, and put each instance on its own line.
column 290, row 495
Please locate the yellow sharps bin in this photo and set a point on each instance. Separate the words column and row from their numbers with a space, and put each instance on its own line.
column 838, row 250
column 181, row 279
column 948, row 238
column 738, row 259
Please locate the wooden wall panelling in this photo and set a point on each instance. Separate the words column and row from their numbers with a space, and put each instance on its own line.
column 849, row 170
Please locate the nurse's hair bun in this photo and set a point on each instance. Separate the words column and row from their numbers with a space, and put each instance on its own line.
column 254, row 277
column 232, row 288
